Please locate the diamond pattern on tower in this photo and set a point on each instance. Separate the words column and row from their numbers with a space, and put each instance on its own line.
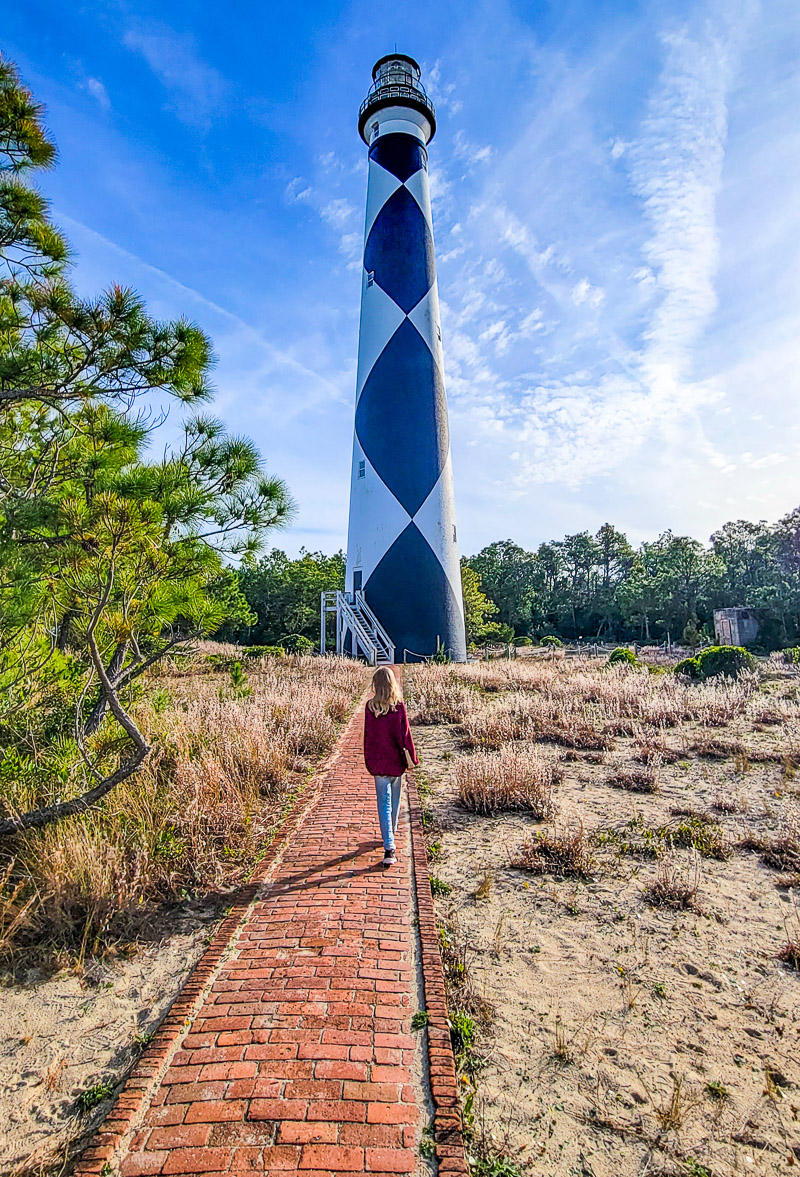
column 405, row 274
column 414, row 597
column 411, row 570
column 402, row 155
column 401, row 418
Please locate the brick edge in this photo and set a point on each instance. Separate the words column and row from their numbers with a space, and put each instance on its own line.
column 447, row 1121
column 109, row 1144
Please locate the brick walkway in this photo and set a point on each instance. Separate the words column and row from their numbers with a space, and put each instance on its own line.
column 299, row 1057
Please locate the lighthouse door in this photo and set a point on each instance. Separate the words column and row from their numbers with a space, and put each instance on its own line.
column 357, row 574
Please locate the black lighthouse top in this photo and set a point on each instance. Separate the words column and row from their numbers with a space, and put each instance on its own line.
column 395, row 82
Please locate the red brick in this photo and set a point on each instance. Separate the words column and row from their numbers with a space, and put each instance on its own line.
column 180, row 1136
column 140, row 1164
column 390, row 1160
column 340, row 1070
column 280, row 1157
column 278, row 1109
column 391, row 1113
column 340, row 1111
column 197, row 1160
column 215, row 1111
column 332, row 1156
column 305, row 1132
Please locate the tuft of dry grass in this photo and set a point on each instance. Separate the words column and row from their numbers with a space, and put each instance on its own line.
column 675, row 885
column 649, row 750
column 439, row 696
column 789, row 952
column 563, row 851
column 723, row 802
column 226, row 762
column 636, row 780
column 516, row 778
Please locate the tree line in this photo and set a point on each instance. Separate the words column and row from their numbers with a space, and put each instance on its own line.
column 581, row 587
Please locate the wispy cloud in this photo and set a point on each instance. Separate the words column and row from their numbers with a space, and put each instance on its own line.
column 98, row 91
column 198, row 91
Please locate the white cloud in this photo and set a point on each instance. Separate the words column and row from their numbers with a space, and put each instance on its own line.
column 583, row 292
column 98, row 91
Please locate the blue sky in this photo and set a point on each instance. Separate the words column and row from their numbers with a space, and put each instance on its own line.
column 617, row 227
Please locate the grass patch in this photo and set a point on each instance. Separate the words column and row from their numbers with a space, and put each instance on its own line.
column 675, row 885
column 636, row 780
column 518, row 779
column 562, row 851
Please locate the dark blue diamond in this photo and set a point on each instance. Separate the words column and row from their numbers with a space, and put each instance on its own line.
column 410, row 593
column 401, row 418
column 402, row 155
column 399, row 251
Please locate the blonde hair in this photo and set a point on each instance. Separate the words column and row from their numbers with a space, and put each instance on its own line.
column 387, row 692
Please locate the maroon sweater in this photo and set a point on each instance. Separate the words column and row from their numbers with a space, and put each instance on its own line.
column 385, row 737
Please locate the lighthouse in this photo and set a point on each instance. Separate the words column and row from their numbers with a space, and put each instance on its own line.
column 402, row 545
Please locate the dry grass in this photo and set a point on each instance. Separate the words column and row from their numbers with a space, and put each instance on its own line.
column 516, row 778
column 789, row 952
column 562, row 851
column 586, row 705
column 226, row 761
column 636, row 780
column 676, row 884
column 440, row 697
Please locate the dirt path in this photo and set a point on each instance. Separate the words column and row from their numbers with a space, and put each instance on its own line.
column 293, row 1050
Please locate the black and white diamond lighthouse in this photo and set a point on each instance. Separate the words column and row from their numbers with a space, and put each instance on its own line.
column 402, row 548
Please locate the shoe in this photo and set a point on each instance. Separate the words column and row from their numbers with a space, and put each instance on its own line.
column 389, row 858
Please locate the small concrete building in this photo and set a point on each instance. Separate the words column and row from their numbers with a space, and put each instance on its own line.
column 735, row 627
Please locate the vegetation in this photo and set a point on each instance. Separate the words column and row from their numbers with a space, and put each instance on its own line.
column 511, row 779
column 282, row 596
column 109, row 558
column 229, row 753
column 717, row 660
column 598, row 586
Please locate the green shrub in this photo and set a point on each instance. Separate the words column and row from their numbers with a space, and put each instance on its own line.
column 296, row 643
column 263, row 651
column 550, row 640
column 498, row 633
column 622, row 655
column 717, row 660
column 690, row 667
column 523, row 640
column 791, row 655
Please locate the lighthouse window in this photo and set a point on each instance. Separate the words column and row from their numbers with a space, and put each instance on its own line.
column 438, row 333
column 362, row 469
column 375, row 130
column 370, row 277
column 454, row 533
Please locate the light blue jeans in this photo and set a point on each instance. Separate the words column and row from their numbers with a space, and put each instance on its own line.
column 387, row 792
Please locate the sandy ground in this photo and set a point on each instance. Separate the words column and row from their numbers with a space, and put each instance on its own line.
column 613, row 1017
column 62, row 1034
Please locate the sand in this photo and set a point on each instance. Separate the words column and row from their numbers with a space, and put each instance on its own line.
column 64, row 1033
column 628, row 1039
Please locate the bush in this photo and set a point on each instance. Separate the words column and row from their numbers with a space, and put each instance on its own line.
column 717, row 660
column 264, row 651
column 622, row 656
column 791, row 655
column 295, row 643
column 551, row 641
column 497, row 633
column 523, row 641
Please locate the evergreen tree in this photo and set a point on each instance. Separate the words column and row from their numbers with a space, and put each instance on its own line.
column 107, row 558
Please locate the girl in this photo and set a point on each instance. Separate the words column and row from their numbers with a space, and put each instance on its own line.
column 388, row 752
